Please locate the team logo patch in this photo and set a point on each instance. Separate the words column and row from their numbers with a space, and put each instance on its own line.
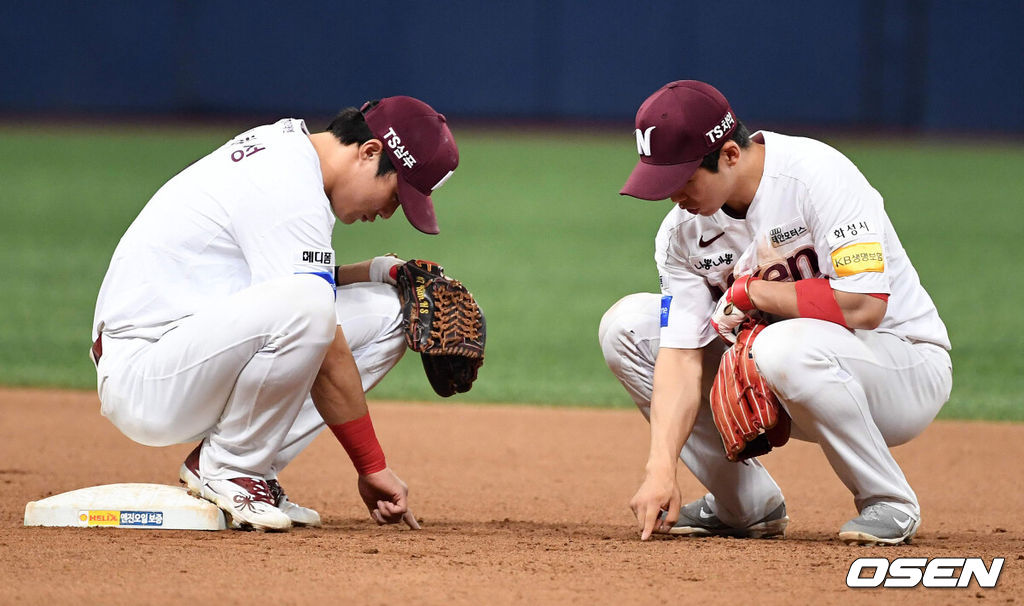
column 666, row 304
column 643, row 141
column 858, row 258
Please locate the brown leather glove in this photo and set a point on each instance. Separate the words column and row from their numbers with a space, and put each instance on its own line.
column 444, row 323
column 746, row 411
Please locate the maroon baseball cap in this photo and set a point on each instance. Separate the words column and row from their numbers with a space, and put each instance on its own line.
column 422, row 150
column 676, row 127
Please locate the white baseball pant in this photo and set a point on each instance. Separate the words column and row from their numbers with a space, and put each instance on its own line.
column 854, row 393
column 238, row 374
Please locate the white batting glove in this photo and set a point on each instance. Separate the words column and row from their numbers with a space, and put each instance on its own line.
column 380, row 268
column 733, row 307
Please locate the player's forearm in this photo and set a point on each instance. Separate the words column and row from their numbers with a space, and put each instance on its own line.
column 674, row 404
column 338, row 390
column 338, row 396
column 780, row 299
column 352, row 273
column 777, row 298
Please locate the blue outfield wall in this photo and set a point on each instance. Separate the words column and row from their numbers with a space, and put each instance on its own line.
column 936, row 65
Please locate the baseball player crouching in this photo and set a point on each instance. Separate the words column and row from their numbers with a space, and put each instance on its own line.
column 784, row 231
column 224, row 318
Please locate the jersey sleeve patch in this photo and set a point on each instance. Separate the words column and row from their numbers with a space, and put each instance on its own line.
column 850, row 231
column 858, row 258
column 316, row 257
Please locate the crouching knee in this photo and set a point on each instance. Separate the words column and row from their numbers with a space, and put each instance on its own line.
column 631, row 321
column 786, row 351
column 312, row 302
column 629, row 335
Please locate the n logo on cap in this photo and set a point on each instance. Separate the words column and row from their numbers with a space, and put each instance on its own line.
column 643, row 141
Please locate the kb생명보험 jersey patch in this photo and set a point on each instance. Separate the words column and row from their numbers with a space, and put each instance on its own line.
column 858, row 258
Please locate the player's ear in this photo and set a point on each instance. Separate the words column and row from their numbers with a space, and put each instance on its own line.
column 370, row 149
column 730, row 153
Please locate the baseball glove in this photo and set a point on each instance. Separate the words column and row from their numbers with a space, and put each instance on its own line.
column 746, row 411
column 442, row 322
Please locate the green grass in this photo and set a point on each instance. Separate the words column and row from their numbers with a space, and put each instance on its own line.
column 534, row 225
column 958, row 210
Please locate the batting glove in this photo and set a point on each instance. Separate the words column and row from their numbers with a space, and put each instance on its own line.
column 381, row 268
column 733, row 307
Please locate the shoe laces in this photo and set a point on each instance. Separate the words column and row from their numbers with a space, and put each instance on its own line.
column 881, row 512
column 276, row 492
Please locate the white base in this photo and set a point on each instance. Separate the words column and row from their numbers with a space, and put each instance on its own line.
column 126, row 506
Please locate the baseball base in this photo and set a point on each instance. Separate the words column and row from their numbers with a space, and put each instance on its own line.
column 153, row 506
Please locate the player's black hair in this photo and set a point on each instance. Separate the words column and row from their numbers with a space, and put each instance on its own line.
column 742, row 138
column 350, row 127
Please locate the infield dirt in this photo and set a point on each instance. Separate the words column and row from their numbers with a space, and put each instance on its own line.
column 518, row 504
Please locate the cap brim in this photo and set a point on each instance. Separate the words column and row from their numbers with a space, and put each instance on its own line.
column 658, row 181
column 418, row 208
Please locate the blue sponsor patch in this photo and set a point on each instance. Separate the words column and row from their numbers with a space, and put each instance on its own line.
column 666, row 303
column 141, row 518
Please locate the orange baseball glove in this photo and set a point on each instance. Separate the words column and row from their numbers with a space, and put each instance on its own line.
column 746, row 411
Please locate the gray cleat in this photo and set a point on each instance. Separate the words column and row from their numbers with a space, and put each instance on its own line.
column 879, row 524
column 697, row 520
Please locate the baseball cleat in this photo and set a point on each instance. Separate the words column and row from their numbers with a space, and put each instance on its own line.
column 246, row 502
column 300, row 516
column 879, row 524
column 697, row 520
column 188, row 474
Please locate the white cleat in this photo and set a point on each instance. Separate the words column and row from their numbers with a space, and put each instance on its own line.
column 246, row 502
column 300, row 516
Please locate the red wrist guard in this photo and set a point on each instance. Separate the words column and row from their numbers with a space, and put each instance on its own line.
column 740, row 293
column 360, row 442
column 815, row 299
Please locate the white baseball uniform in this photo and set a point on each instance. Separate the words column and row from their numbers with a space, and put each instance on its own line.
column 220, row 302
column 855, row 393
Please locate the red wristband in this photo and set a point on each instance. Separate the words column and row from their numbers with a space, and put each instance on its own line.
column 360, row 442
column 815, row 299
column 741, row 293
